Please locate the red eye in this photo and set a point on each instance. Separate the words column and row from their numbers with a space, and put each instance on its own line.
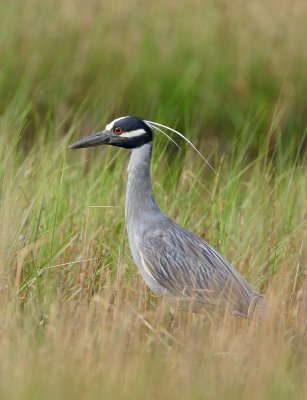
column 118, row 131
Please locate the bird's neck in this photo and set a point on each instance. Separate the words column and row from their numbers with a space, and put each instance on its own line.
column 140, row 202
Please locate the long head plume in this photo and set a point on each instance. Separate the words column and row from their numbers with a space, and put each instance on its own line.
column 156, row 125
column 158, row 130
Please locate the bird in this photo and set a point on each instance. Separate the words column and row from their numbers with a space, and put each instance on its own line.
column 174, row 262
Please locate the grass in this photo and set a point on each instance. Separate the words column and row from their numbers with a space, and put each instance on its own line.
column 76, row 320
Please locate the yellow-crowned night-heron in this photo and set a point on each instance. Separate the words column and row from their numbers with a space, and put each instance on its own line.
column 173, row 261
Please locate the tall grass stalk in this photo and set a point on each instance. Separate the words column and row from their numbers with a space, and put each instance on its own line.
column 76, row 320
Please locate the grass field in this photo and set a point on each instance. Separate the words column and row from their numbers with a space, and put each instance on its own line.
column 76, row 320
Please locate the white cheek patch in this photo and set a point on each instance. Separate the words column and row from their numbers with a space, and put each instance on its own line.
column 137, row 132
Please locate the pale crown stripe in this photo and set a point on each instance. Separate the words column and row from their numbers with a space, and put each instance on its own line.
column 111, row 124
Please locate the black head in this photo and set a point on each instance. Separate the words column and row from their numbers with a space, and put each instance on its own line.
column 128, row 132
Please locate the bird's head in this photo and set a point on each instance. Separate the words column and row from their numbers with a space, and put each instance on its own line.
column 128, row 132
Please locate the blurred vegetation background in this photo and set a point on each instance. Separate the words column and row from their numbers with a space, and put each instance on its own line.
column 208, row 65
column 76, row 319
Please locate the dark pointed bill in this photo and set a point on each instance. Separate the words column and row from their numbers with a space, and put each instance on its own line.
column 93, row 140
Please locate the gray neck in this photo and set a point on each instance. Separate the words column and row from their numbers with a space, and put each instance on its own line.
column 140, row 203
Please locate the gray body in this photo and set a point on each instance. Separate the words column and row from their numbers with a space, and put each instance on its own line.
column 172, row 260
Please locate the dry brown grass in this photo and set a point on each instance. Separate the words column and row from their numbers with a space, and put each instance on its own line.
column 76, row 321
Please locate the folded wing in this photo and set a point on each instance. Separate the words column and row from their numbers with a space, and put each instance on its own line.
column 189, row 269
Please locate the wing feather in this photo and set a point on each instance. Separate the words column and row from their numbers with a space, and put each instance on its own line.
column 188, row 267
